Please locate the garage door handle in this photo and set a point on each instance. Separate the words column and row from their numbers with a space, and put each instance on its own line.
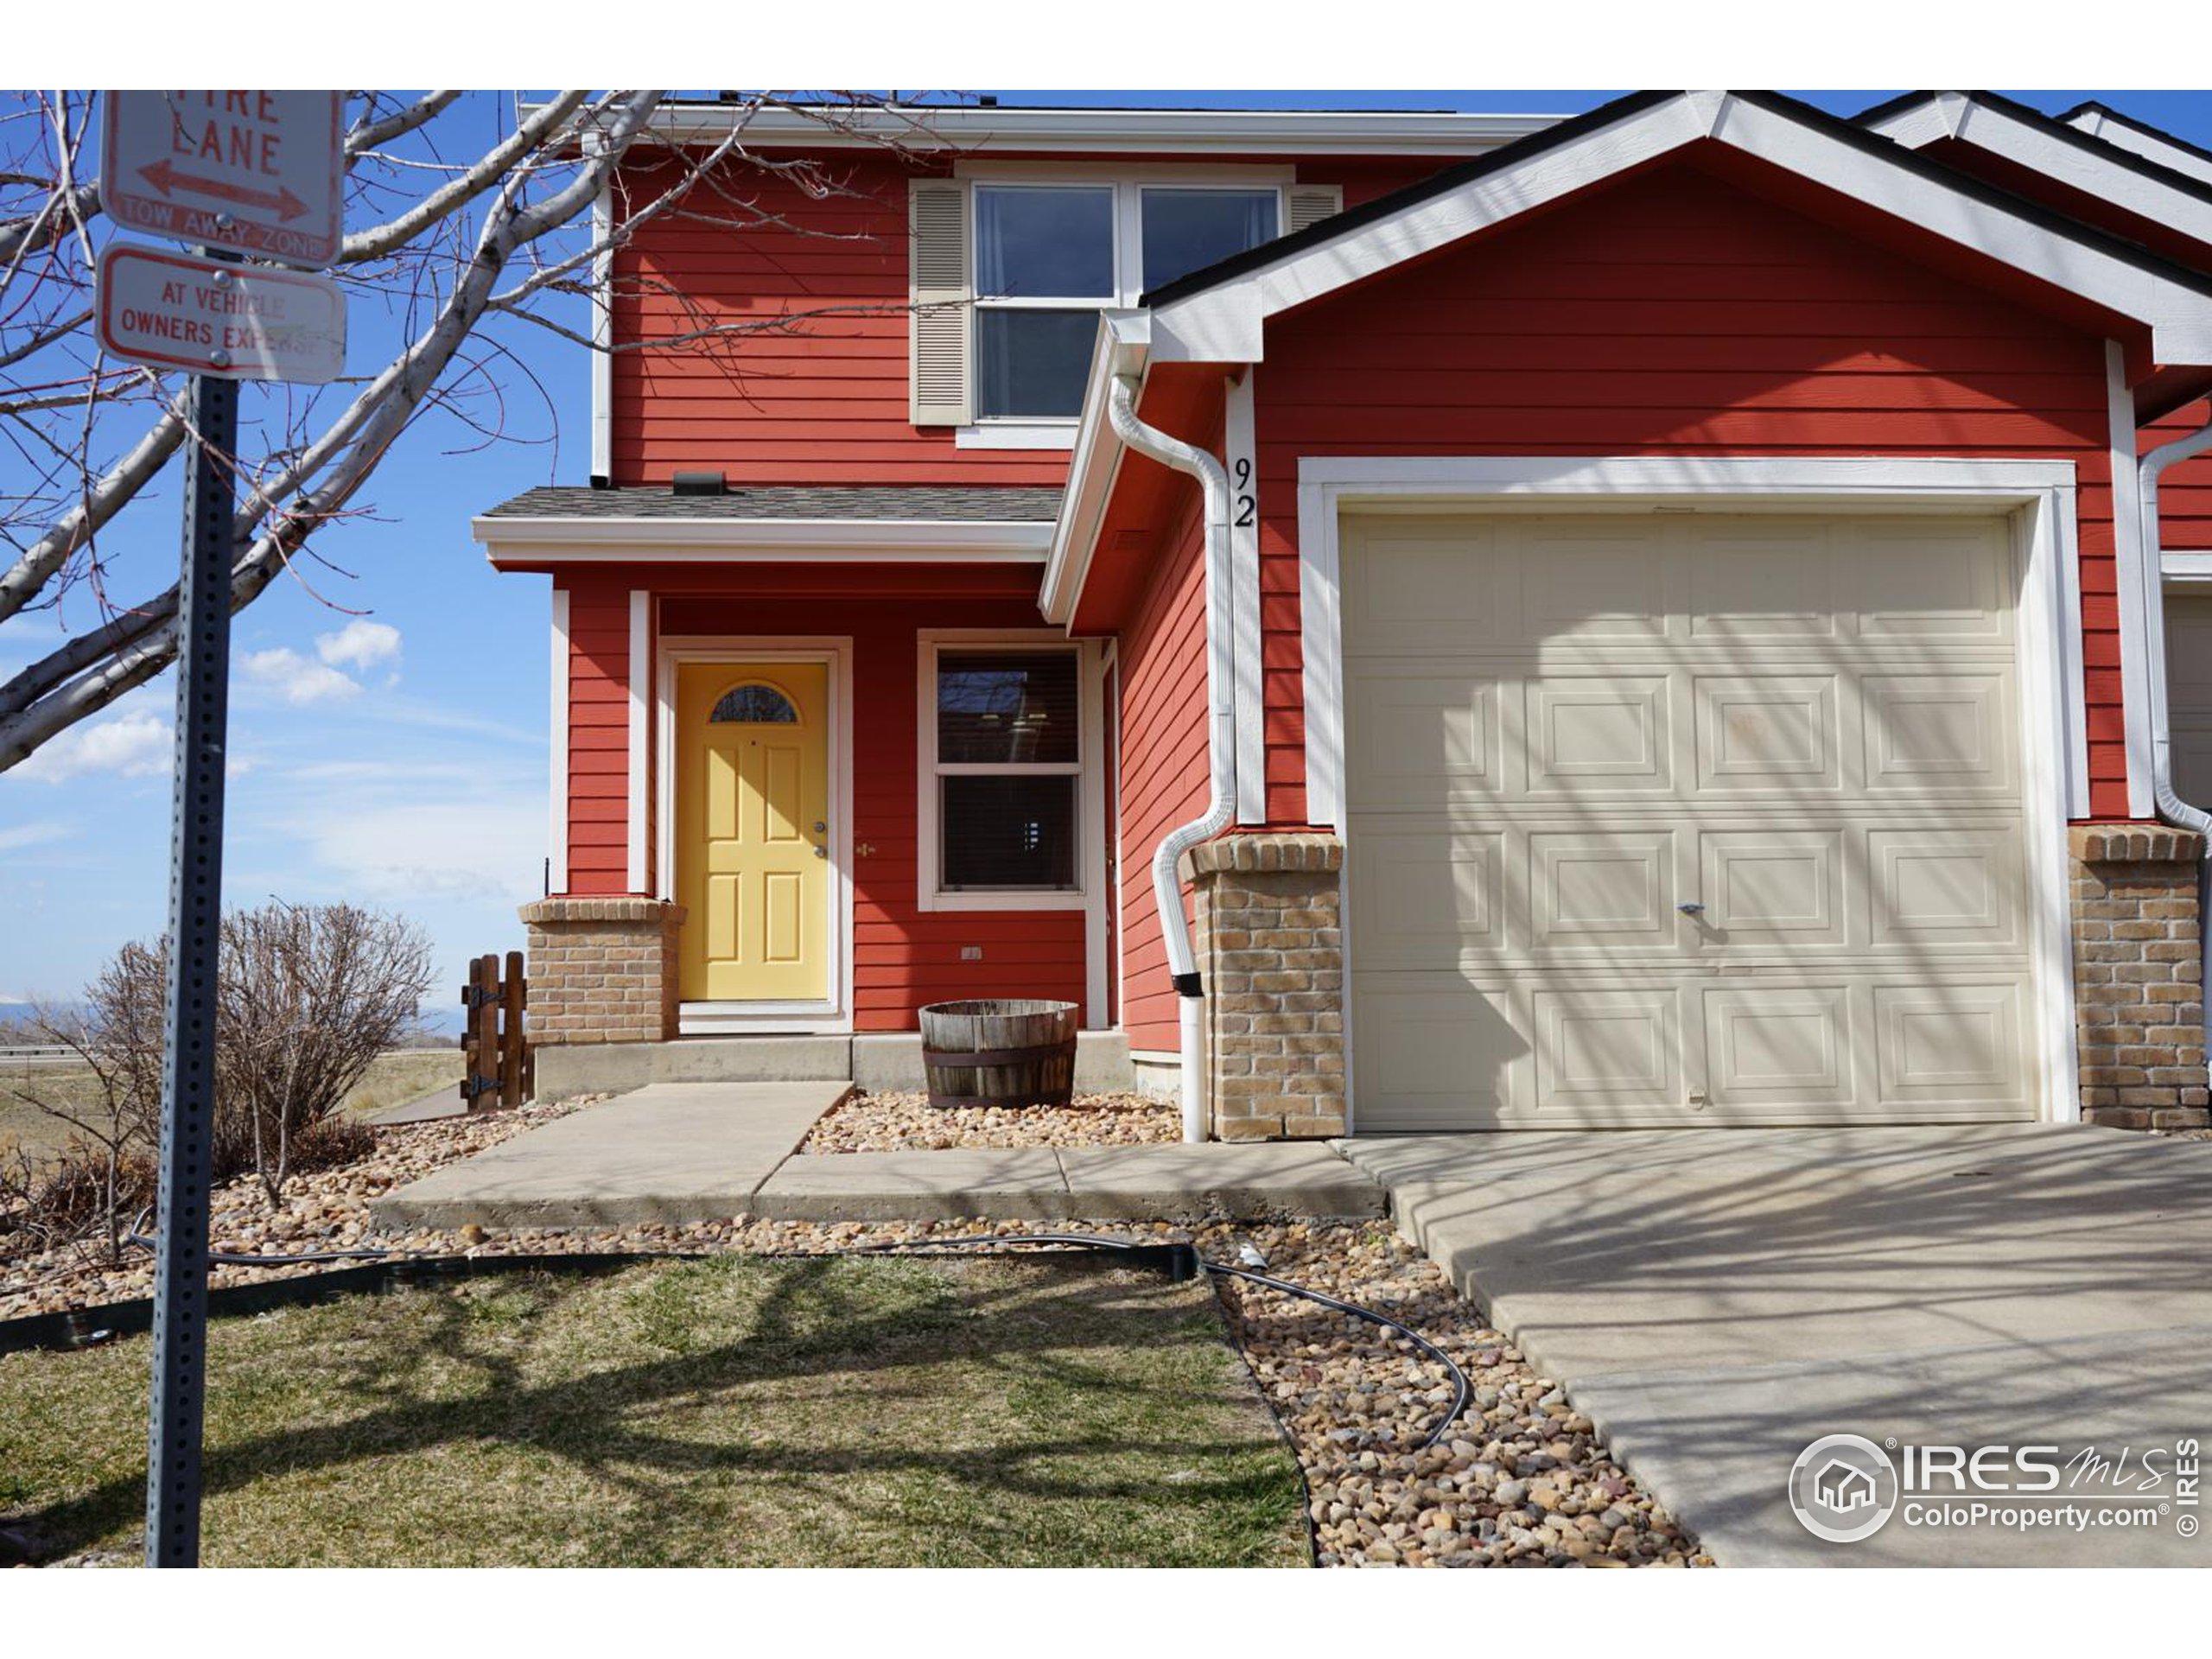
column 1691, row 908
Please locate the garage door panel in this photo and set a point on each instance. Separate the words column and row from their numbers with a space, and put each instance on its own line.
column 1946, row 734
column 1772, row 887
column 1430, row 591
column 1769, row 734
column 1594, row 581
column 1423, row 733
column 1435, row 1048
column 1805, row 729
column 1779, row 1048
column 1957, row 1044
column 1956, row 887
column 1601, row 893
column 1610, row 731
column 1606, row 1048
column 1924, row 581
column 1431, row 897
column 1762, row 581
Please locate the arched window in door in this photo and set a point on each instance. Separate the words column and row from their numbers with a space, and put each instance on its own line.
column 754, row 704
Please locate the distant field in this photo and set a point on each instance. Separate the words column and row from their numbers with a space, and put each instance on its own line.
column 394, row 1080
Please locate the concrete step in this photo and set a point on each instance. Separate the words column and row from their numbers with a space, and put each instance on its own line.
column 879, row 1061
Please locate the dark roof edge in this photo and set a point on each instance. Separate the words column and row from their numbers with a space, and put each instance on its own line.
column 1836, row 127
column 2057, row 127
column 1382, row 206
column 2127, row 120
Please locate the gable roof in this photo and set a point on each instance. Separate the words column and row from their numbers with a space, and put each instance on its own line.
column 2069, row 155
column 1218, row 315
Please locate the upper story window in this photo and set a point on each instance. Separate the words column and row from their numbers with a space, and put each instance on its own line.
column 1010, row 261
column 1047, row 256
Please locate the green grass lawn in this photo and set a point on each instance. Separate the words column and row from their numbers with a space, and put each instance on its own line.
column 392, row 1080
column 741, row 1411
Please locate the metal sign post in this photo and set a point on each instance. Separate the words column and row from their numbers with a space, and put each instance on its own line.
column 259, row 172
column 203, row 673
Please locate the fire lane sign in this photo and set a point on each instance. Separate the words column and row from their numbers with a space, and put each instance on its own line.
column 240, row 322
column 258, row 172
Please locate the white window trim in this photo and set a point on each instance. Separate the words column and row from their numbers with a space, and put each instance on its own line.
column 1089, row 893
column 1128, row 185
column 834, row 1015
column 641, row 656
column 2039, row 495
column 556, row 799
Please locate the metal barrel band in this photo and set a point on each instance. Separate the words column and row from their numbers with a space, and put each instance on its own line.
column 956, row 1059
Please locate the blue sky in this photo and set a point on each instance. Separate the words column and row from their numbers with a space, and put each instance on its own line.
column 389, row 737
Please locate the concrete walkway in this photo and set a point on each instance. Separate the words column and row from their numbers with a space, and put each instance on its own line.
column 1716, row 1301
column 686, row 1151
column 674, row 1153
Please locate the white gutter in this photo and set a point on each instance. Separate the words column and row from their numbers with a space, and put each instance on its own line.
column 1221, row 732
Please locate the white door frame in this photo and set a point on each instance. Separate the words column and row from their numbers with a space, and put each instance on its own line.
column 2037, row 496
column 833, row 1014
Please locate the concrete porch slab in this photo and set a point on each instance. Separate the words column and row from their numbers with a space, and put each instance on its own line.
column 1718, row 1299
column 672, row 1153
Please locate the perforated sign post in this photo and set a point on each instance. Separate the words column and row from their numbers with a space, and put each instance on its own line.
column 232, row 173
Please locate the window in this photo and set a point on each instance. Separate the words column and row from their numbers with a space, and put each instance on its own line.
column 755, row 704
column 1048, row 257
column 1003, row 770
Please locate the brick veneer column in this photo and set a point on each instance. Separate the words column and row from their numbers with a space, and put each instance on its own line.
column 602, row 971
column 1270, row 952
column 2138, row 976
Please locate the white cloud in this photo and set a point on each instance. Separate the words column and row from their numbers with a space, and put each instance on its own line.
column 15, row 836
column 397, row 851
column 299, row 680
column 360, row 645
column 131, row 745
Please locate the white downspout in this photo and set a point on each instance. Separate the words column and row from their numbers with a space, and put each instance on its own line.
column 2152, row 568
column 1221, row 732
column 2170, row 806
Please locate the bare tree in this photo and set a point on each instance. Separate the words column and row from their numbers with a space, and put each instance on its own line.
column 309, row 996
column 104, row 1171
column 508, row 234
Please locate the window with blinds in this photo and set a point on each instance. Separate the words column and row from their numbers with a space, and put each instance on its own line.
column 1008, row 764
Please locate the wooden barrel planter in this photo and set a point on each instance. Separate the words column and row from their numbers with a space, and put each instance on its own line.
column 999, row 1053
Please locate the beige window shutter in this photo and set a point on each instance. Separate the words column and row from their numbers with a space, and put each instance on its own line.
column 941, row 293
column 1309, row 204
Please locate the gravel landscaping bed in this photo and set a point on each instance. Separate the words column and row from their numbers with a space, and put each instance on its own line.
column 1521, row 1480
column 907, row 1122
column 327, row 1210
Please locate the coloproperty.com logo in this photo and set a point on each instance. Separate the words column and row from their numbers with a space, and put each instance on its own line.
column 1845, row 1488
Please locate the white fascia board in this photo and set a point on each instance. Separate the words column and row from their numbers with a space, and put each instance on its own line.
column 754, row 541
column 2075, row 164
column 964, row 128
column 1194, row 329
column 2126, row 134
column 1123, row 347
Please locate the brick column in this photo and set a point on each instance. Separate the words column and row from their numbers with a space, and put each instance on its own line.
column 1270, row 953
column 602, row 971
column 2139, row 993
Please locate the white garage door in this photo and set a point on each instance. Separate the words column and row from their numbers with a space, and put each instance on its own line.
column 1684, row 819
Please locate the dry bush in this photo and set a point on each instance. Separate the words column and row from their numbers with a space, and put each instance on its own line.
column 309, row 996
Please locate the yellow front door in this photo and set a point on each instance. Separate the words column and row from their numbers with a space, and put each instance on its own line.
column 753, row 830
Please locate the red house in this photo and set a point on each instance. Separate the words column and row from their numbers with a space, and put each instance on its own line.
column 1681, row 615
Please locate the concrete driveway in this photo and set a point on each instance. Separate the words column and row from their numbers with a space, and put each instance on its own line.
column 1716, row 1301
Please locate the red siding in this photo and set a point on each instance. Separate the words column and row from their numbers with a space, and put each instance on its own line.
column 598, row 735
column 819, row 396
column 1673, row 314
column 902, row 956
column 1164, row 764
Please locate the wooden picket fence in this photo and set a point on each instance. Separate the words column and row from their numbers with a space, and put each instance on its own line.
column 499, row 1069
